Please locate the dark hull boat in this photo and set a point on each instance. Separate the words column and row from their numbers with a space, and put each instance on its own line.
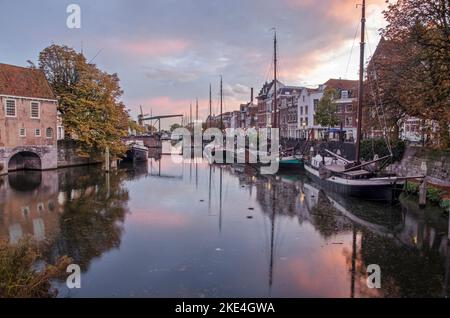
column 357, row 178
column 368, row 186
column 136, row 153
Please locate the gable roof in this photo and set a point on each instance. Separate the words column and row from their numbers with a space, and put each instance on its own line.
column 24, row 82
column 341, row 84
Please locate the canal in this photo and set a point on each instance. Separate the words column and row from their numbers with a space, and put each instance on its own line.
column 167, row 229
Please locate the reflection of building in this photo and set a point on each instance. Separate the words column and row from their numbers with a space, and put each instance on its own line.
column 29, row 206
column 28, row 119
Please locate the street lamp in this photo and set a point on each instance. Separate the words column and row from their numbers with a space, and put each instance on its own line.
column 304, row 128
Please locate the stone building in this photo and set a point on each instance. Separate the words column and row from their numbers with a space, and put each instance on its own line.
column 28, row 120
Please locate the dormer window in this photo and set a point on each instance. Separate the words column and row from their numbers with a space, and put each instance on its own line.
column 344, row 94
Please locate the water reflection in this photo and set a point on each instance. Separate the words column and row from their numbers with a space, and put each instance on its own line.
column 192, row 230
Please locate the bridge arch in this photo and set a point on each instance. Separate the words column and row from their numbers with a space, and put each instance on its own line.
column 25, row 160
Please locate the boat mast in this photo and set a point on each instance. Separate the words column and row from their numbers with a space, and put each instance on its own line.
column 221, row 103
column 196, row 109
column 275, row 125
column 361, row 83
column 210, row 105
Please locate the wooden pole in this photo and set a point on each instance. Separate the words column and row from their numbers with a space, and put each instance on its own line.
column 107, row 159
column 361, row 84
column 423, row 194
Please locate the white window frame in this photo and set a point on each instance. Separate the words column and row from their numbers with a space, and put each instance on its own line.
column 36, row 130
column 15, row 107
column 31, row 109
column 24, row 132
column 53, row 132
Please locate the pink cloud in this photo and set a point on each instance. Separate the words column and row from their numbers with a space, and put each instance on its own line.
column 166, row 105
column 338, row 10
column 151, row 47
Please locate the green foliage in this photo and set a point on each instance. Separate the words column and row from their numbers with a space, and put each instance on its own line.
column 445, row 204
column 89, row 100
column 412, row 188
column 434, row 195
column 370, row 147
column 18, row 278
column 174, row 126
column 326, row 112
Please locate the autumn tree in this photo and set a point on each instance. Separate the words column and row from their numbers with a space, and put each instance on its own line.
column 326, row 112
column 89, row 100
column 414, row 73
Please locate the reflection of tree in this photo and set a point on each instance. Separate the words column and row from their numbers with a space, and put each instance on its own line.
column 406, row 272
column 93, row 216
column 326, row 219
column 274, row 194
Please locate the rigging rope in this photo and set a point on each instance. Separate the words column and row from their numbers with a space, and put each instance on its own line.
column 383, row 114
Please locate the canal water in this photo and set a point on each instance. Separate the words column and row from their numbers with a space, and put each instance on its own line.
column 167, row 229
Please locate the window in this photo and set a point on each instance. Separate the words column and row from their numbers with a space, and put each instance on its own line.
column 37, row 132
column 348, row 121
column 344, row 94
column 10, row 108
column 301, row 110
column 49, row 132
column 316, row 104
column 303, row 98
column 22, row 132
column 35, row 110
column 349, row 108
column 306, row 110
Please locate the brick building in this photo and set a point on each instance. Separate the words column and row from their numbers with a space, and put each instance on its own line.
column 28, row 120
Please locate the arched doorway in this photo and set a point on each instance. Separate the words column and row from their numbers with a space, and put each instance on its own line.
column 24, row 160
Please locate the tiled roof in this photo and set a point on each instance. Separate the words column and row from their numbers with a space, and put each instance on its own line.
column 342, row 84
column 24, row 82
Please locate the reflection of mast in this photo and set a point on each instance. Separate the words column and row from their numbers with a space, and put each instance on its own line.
column 272, row 234
column 352, row 286
column 220, row 202
column 209, row 193
column 196, row 173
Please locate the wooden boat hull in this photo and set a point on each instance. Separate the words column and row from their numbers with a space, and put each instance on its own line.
column 135, row 154
column 374, row 189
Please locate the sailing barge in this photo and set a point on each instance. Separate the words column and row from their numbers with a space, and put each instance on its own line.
column 357, row 178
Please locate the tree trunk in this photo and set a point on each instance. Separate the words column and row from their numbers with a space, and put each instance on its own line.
column 444, row 135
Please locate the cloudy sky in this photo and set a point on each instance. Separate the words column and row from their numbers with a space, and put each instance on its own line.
column 166, row 52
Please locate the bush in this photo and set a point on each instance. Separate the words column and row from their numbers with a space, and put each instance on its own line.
column 434, row 195
column 18, row 276
column 445, row 204
column 370, row 147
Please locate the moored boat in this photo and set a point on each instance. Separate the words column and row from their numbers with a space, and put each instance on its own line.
column 136, row 152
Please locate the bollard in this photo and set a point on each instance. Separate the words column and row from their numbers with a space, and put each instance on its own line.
column 423, row 194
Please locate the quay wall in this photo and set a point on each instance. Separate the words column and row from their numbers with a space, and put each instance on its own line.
column 421, row 161
column 68, row 156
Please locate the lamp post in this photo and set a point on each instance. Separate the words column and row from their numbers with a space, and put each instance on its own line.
column 304, row 129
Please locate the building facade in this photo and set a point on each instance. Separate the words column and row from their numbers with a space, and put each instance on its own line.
column 28, row 120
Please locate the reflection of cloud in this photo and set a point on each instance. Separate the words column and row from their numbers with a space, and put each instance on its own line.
column 323, row 274
column 160, row 219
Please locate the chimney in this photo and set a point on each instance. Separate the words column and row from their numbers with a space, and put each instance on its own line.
column 251, row 95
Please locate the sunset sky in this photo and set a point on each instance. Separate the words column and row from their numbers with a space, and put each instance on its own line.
column 166, row 52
